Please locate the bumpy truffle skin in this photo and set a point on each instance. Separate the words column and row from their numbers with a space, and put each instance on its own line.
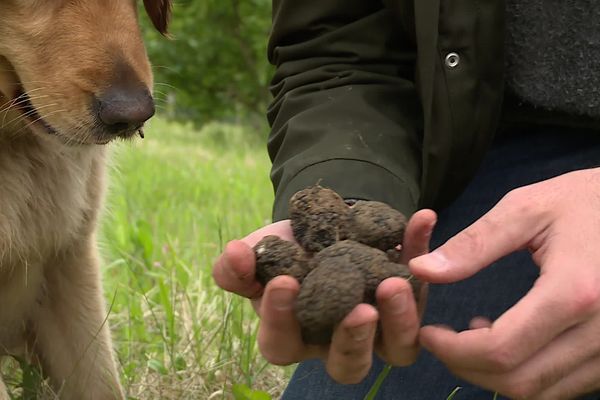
column 354, row 253
column 376, row 224
column 275, row 256
column 319, row 218
column 373, row 263
column 394, row 255
column 326, row 296
column 379, row 272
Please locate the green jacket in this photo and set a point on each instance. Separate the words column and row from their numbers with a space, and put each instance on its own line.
column 394, row 101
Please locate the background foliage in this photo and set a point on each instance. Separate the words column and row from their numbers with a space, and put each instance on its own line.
column 215, row 65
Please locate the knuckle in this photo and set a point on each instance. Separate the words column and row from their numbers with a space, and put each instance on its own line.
column 519, row 389
column 502, row 359
column 519, row 196
column 523, row 202
column 585, row 301
column 472, row 240
column 351, row 353
column 548, row 378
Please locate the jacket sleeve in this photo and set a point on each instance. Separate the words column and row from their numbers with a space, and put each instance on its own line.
column 345, row 112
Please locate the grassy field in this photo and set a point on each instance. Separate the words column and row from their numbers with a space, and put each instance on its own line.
column 175, row 199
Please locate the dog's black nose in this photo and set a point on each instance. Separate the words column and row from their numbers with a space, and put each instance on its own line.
column 118, row 107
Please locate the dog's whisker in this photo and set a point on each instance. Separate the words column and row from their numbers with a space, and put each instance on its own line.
column 166, row 84
column 22, row 99
column 29, row 113
column 48, row 114
column 160, row 92
column 161, row 102
column 21, row 117
column 166, row 67
column 41, row 118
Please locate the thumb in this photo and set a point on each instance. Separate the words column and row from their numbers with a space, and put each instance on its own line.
column 418, row 234
column 507, row 227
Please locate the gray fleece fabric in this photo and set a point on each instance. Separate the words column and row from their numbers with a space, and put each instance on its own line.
column 553, row 54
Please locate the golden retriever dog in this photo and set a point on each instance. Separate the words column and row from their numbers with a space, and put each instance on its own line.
column 74, row 75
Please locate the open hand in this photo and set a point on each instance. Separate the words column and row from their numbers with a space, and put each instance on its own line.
column 348, row 357
column 547, row 346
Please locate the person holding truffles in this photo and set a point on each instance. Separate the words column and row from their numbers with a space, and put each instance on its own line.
column 481, row 121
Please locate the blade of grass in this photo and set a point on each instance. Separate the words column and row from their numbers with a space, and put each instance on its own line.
column 456, row 390
column 378, row 382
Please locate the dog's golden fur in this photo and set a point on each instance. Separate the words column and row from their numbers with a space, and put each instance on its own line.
column 55, row 57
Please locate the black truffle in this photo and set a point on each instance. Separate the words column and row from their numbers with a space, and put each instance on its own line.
column 319, row 218
column 376, row 224
column 373, row 263
column 275, row 256
column 326, row 296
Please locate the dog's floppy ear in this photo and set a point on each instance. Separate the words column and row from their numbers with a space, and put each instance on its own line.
column 159, row 12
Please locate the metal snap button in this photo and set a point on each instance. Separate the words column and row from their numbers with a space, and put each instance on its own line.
column 452, row 60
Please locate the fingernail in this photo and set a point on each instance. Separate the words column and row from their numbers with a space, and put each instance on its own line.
column 398, row 303
column 361, row 333
column 282, row 299
column 434, row 260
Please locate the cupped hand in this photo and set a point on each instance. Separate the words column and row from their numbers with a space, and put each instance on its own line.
column 547, row 346
column 348, row 357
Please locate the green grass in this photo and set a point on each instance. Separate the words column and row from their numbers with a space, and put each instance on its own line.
column 175, row 199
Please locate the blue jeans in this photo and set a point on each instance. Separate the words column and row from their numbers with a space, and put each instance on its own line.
column 517, row 159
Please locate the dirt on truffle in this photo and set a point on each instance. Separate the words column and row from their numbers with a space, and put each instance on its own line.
column 376, row 224
column 374, row 264
column 275, row 256
column 321, row 306
column 319, row 218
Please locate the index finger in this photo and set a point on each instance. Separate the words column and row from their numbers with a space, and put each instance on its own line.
column 514, row 223
column 543, row 314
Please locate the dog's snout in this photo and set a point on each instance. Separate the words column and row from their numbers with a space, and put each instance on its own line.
column 120, row 107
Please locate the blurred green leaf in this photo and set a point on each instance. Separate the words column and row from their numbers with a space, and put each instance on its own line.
column 157, row 366
column 243, row 392
column 144, row 239
column 180, row 364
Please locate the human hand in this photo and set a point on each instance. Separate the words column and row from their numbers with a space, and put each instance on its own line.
column 547, row 346
column 348, row 357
